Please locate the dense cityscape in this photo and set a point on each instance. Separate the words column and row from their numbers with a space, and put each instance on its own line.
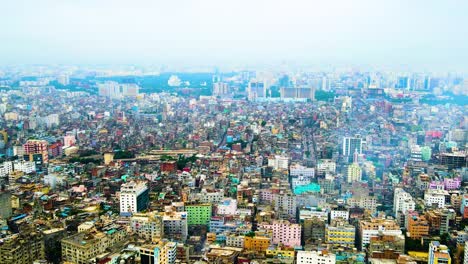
column 138, row 164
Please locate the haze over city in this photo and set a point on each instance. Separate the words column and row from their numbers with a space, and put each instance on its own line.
column 399, row 35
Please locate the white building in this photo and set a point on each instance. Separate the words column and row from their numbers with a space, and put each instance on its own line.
column 339, row 213
column 326, row 166
column 175, row 225
column 235, row 241
column 433, row 196
column 5, row 168
column 315, row 257
column 133, row 197
column 24, row 166
column 375, row 227
column 227, row 207
column 278, row 162
column 118, row 90
column 285, row 204
column 298, row 170
column 147, row 226
column 402, row 202
column 211, row 196
column 85, row 226
column 300, row 175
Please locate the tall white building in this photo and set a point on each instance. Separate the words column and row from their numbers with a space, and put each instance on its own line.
column 117, row 90
column 175, row 225
column 133, row 197
column 315, row 257
column 402, row 202
column 285, row 205
column 5, row 168
column 434, row 196
column 350, row 145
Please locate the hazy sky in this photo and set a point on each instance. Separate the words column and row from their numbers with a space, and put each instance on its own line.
column 419, row 33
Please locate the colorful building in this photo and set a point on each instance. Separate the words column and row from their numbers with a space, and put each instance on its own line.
column 198, row 214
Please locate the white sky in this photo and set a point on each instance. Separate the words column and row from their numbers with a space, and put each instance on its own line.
column 429, row 34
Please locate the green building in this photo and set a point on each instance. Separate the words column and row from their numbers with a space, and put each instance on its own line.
column 198, row 214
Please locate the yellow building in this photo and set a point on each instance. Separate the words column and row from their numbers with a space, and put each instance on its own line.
column 280, row 252
column 438, row 254
column 354, row 173
column 257, row 243
column 108, row 158
column 162, row 252
column 339, row 232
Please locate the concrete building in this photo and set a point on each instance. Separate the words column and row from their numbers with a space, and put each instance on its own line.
column 161, row 252
column 175, row 225
column 402, row 202
column 326, row 166
column 148, row 226
column 134, row 197
column 285, row 233
column 315, row 257
column 227, row 207
column 82, row 247
column 5, row 205
column 340, row 233
column 354, row 173
column 22, row 248
column 198, row 214
column 233, row 240
column 278, row 162
column 40, row 147
column 285, row 205
column 417, row 226
column 434, row 197
column 438, row 254
column 375, row 227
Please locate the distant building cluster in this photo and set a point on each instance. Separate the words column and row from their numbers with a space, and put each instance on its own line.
column 240, row 167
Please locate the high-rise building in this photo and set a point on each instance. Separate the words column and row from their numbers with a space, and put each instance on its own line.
column 220, row 88
column 134, row 197
column 438, row 254
column 435, row 197
column 32, row 147
column 116, row 90
column 5, row 204
column 375, row 227
column 354, row 173
column 148, row 226
column 25, row 247
column 350, row 145
column 402, row 202
column 256, row 89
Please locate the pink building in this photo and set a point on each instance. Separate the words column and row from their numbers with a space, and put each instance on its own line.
column 436, row 185
column 452, row 184
column 285, row 233
column 69, row 140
